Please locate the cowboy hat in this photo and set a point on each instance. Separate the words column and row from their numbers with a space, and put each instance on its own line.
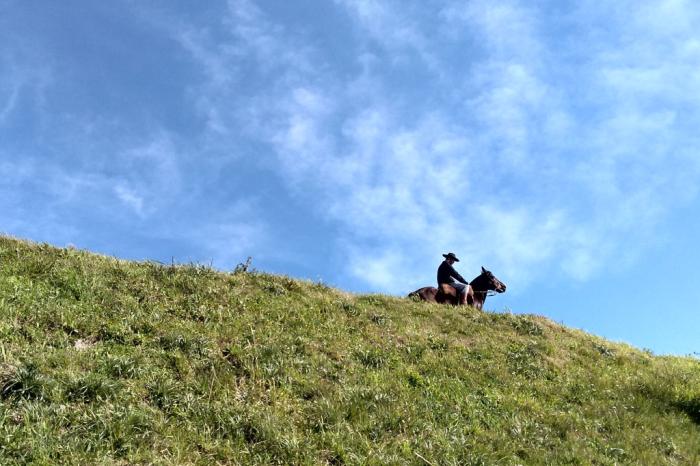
column 450, row 255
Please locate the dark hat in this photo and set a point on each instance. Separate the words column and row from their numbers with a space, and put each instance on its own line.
column 450, row 255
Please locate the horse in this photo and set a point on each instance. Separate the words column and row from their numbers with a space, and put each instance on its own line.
column 478, row 289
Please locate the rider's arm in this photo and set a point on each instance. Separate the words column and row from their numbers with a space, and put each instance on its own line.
column 458, row 277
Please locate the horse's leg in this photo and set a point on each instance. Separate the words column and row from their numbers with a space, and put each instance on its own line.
column 442, row 298
column 463, row 298
column 454, row 299
column 469, row 296
column 449, row 295
column 439, row 296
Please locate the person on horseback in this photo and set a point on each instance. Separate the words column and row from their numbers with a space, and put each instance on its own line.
column 447, row 275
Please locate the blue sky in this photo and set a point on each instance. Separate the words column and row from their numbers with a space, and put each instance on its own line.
column 354, row 142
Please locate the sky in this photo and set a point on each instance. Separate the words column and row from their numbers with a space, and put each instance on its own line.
column 353, row 142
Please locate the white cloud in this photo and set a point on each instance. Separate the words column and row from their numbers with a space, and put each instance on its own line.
column 234, row 233
column 130, row 197
column 28, row 79
column 259, row 37
column 144, row 173
column 384, row 270
column 298, row 134
column 386, row 24
column 10, row 96
column 546, row 154
column 76, row 166
column 155, row 162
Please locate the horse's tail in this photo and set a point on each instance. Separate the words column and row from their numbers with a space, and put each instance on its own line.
column 426, row 293
column 418, row 294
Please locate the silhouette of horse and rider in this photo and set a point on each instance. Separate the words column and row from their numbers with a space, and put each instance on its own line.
column 454, row 289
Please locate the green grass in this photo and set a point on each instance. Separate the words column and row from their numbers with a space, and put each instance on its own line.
column 105, row 361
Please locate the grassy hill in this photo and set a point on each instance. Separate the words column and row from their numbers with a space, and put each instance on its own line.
column 104, row 361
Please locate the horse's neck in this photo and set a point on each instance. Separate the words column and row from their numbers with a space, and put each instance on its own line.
column 480, row 291
column 479, row 285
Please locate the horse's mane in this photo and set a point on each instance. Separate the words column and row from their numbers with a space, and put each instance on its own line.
column 478, row 284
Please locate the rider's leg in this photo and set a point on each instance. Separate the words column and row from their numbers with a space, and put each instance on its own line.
column 461, row 292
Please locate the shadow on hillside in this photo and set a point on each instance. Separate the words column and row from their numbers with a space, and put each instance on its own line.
column 690, row 407
column 666, row 400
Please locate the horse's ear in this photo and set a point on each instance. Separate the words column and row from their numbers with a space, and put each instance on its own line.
column 483, row 270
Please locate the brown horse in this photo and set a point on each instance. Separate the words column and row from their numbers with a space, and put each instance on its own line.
column 479, row 288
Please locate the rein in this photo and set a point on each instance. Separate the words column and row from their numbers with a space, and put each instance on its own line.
column 487, row 292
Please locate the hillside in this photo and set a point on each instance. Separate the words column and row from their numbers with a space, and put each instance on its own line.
column 113, row 362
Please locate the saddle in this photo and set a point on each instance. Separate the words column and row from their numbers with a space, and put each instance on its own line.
column 451, row 295
column 448, row 290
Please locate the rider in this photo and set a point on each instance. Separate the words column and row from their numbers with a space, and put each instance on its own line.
column 446, row 274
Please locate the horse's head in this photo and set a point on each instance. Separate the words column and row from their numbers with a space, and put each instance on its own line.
column 488, row 282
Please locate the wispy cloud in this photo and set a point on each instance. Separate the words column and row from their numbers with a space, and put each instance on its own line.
column 528, row 149
column 153, row 171
column 573, row 213
column 10, row 93
column 237, row 233
column 388, row 181
column 28, row 79
column 129, row 197
column 388, row 24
